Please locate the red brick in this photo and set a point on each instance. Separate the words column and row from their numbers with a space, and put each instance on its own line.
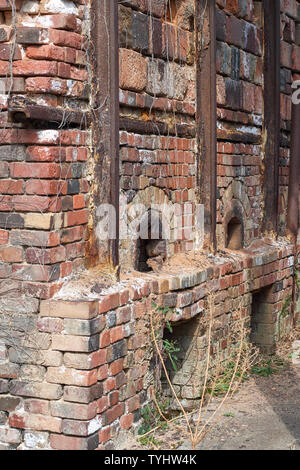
column 62, row 375
column 35, row 170
column 133, row 404
column 11, row 187
column 113, row 413
column 65, row 38
column 34, row 273
column 46, row 85
column 46, row 52
column 126, row 421
column 4, row 237
column 109, row 385
column 133, row 70
column 34, row 238
column 11, row 254
column 45, row 256
column 36, row 422
column 72, row 234
column 104, row 434
column 74, row 410
column 102, row 404
column 103, row 372
column 66, row 269
column 104, row 339
column 37, row 204
column 48, row 187
column 113, row 397
column 50, row 325
column 64, row 309
column 40, row 407
column 33, row 67
column 116, row 334
column 116, row 367
column 46, row 154
column 60, row 442
column 76, row 218
column 78, row 201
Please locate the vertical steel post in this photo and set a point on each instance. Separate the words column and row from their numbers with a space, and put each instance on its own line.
column 207, row 115
column 271, row 127
column 105, row 42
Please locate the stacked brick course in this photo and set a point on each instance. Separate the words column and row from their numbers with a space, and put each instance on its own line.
column 76, row 369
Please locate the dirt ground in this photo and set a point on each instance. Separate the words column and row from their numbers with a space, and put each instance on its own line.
column 263, row 415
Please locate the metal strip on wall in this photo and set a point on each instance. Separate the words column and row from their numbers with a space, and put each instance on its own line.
column 271, row 128
column 105, row 43
column 207, row 115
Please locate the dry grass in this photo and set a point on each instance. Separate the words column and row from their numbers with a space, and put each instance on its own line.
column 196, row 425
column 284, row 347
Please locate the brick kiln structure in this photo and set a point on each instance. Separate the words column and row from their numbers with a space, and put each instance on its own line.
column 203, row 120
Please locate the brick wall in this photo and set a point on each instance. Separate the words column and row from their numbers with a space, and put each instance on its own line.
column 44, row 189
column 157, row 80
column 240, row 115
column 76, row 369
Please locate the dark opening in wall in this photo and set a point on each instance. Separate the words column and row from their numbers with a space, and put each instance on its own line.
column 142, row 256
column 263, row 321
column 186, row 344
column 151, row 247
column 234, row 234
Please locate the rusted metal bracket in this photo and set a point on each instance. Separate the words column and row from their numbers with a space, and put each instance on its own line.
column 271, row 128
column 22, row 109
column 207, row 115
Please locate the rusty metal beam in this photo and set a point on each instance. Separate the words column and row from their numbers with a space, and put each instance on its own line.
column 207, row 114
column 156, row 128
column 294, row 179
column 271, row 128
column 22, row 109
column 105, row 50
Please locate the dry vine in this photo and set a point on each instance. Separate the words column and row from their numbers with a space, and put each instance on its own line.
column 194, row 425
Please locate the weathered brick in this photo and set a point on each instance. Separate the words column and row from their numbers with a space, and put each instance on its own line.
column 81, row 428
column 60, row 442
column 9, row 371
column 113, row 413
column 80, row 310
column 36, row 422
column 75, row 343
column 61, row 375
column 3, row 386
column 50, row 325
column 37, row 390
column 133, row 70
column 41, row 407
column 74, row 410
column 85, row 361
column 83, row 395
column 10, row 436
column 126, row 421
column 8, row 403
column 83, row 327
column 31, row 35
